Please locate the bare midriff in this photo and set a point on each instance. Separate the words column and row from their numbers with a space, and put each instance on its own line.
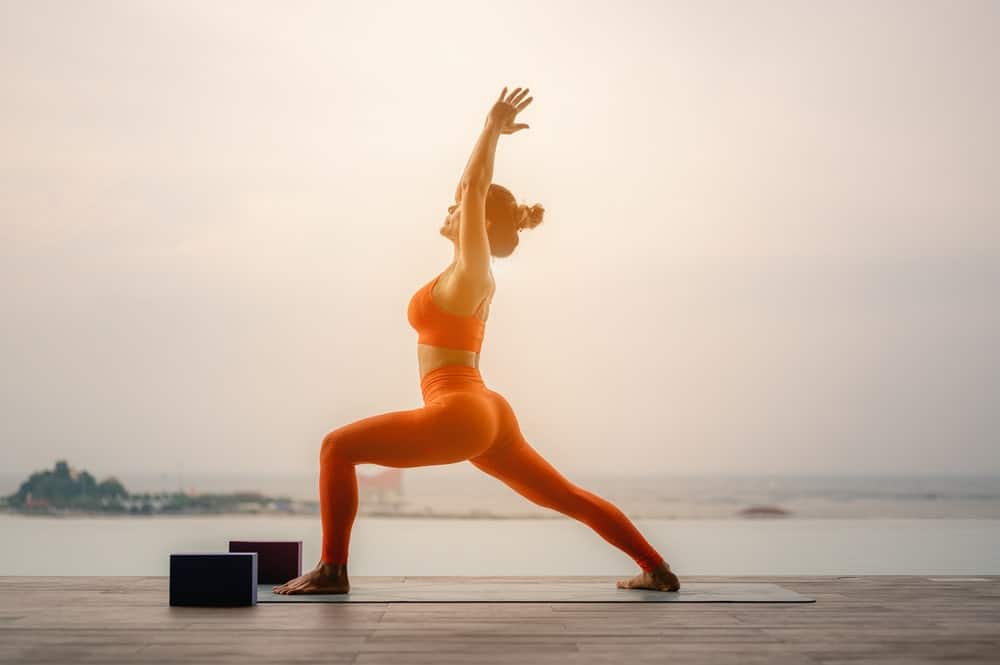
column 429, row 358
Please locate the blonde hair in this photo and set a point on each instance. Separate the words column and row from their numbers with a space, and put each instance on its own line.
column 529, row 216
column 508, row 217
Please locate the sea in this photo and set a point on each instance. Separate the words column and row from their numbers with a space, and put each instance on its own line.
column 462, row 522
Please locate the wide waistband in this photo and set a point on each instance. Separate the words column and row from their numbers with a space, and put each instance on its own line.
column 450, row 377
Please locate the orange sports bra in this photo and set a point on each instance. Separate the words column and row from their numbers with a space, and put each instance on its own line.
column 440, row 328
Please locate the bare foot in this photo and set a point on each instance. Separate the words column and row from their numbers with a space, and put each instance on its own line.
column 324, row 578
column 659, row 579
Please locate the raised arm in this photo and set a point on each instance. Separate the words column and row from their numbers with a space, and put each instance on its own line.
column 500, row 120
column 475, row 182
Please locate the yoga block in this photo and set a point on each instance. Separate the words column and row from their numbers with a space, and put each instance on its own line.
column 277, row 561
column 213, row 578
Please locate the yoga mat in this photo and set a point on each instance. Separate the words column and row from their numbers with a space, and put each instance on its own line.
column 543, row 591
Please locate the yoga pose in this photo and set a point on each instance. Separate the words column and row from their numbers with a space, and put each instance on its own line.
column 461, row 418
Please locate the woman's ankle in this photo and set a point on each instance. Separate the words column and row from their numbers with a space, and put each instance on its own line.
column 661, row 568
column 333, row 569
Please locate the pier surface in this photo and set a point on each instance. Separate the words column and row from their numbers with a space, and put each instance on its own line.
column 856, row 620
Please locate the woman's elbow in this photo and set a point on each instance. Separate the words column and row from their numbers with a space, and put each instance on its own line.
column 474, row 187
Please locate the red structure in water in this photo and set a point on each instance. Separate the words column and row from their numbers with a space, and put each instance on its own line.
column 381, row 491
column 31, row 503
column 389, row 479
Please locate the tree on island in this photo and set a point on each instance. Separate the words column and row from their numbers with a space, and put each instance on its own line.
column 63, row 487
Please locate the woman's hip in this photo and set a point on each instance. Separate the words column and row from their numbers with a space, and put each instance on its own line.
column 461, row 388
column 451, row 378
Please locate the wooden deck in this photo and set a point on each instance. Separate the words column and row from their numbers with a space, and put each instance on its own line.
column 856, row 620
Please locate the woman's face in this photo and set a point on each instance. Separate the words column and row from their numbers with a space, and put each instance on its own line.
column 450, row 226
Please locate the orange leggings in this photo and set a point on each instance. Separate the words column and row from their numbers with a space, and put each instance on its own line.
column 461, row 420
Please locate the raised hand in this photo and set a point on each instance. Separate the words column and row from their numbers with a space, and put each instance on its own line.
column 506, row 108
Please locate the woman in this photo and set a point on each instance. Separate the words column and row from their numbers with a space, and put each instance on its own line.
column 461, row 418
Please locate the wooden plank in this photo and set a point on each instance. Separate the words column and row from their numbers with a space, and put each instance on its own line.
column 856, row 619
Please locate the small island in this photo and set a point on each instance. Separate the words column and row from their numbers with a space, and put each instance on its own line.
column 764, row 511
column 64, row 490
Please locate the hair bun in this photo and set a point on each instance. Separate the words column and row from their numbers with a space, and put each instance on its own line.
column 531, row 216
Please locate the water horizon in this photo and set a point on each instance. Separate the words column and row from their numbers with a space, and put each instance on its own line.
column 461, row 491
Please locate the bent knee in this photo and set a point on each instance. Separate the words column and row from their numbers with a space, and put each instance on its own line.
column 334, row 446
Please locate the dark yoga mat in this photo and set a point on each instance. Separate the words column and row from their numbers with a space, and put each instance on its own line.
column 544, row 590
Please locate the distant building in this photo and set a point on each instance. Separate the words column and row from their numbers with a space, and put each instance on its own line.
column 382, row 490
column 31, row 503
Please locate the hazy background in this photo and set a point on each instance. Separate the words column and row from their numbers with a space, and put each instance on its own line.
column 771, row 241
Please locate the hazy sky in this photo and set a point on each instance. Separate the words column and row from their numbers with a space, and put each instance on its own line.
column 771, row 240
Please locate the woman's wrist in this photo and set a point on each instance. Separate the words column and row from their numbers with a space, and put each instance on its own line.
column 492, row 127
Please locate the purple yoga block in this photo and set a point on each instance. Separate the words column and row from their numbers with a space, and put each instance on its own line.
column 277, row 561
column 213, row 578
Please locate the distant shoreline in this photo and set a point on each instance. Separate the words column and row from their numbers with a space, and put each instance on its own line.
column 68, row 493
column 499, row 518
column 473, row 515
column 63, row 514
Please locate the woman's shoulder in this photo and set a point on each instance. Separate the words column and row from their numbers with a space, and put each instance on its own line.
column 460, row 278
column 463, row 291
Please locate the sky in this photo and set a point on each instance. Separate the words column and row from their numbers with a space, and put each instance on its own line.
column 771, row 241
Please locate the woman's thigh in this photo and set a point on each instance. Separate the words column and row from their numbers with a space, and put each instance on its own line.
column 451, row 428
column 521, row 467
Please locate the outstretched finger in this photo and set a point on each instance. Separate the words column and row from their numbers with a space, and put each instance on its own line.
column 520, row 107
column 502, row 93
column 516, row 99
column 512, row 95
